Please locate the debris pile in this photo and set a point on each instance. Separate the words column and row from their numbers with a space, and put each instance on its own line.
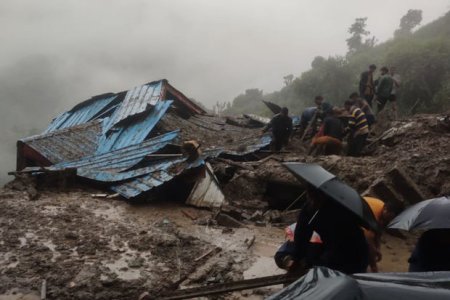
column 89, row 245
column 129, row 143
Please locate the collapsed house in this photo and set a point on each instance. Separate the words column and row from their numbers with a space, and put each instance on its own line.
column 129, row 142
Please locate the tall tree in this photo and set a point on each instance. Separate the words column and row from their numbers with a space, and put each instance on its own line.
column 288, row 79
column 412, row 19
column 358, row 32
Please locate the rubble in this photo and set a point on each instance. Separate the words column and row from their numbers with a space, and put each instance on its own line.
column 79, row 243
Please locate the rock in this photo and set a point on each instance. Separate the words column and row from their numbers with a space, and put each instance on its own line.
column 228, row 221
column 86, row 275
column 70, row 235
column 273, row 216
column 384, row 191
column 136, row 263
column 404, row 185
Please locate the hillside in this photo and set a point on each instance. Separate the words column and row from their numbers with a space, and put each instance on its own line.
column 421, row 60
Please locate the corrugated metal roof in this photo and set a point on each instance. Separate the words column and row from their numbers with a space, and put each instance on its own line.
column 206, row 192
column 121, row 159
column 67, row 144
column 162, row 172
column 80, row 114
column 134, row 133
column 137, row 101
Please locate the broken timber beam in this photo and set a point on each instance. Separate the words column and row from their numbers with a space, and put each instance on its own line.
column 230, row 287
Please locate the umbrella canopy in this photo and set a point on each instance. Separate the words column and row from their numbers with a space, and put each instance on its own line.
column 428, row 214
column 321, row 283
column 335, row 189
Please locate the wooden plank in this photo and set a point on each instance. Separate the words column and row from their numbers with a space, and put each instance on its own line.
column 230, row 287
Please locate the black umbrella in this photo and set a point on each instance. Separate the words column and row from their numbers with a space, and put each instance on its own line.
column 428, row 214
column 335, row 189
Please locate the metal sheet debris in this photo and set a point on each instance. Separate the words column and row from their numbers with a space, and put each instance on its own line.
column 156, row 176
column 80, row 114
column 207, row 192
column 109, row 137
column 137, row 101
column 134, row 133
column 67, row 144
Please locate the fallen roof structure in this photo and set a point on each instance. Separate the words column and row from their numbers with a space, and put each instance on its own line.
column 130, row 142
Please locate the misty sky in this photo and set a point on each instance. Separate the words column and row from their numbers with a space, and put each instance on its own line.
column 56, row 53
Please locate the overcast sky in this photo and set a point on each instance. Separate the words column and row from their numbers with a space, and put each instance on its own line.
column 56, row 53
column 210, row 49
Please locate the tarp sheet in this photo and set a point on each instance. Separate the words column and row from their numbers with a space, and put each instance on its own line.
column 323, row 283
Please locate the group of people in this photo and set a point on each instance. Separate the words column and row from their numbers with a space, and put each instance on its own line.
column 327, row 234
column 382, row 90
column 329, row 125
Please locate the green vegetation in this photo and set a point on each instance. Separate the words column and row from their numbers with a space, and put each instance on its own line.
column 422, row 58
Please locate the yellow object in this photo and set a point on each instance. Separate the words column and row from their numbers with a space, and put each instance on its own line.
column 377, row 206
column 325, row 139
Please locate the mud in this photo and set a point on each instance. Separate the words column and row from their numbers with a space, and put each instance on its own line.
column 89, row 248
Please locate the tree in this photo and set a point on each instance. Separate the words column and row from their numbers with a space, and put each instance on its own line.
column 412, row 19
column 357, row 31
column 359, row 39
column 288, row 79
column 317, row 62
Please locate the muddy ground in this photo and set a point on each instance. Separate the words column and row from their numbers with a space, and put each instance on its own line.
column 89, row 248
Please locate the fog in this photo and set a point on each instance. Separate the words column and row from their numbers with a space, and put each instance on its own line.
column 56, row 53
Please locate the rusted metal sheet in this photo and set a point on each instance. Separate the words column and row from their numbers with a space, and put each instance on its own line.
column 207, row 192
column 121, row 159
column 182, row 99
column 67, row 144
column 157, row 175
column 134, row 133
column 137, row 101
column 80, row 114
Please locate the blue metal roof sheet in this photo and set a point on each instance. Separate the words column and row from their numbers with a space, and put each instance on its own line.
column 67, row 144
column 134, row 133
column 137, row 101
column 121, row 159
column 163, row 172
column 80, row 114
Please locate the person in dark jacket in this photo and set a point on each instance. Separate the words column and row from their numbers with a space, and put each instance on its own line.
column 345, row 248
column 384, row 89
column 432, row 252
column 281, row 125
column 366, row 84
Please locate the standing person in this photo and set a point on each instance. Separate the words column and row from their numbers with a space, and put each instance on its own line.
column 312, row 117
column 365, row 107
column 281, row 125
column 393, row 99
column 366, row 85
column 357, row 127
column 344, row 246
column 384, row 89
column 307, row 116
